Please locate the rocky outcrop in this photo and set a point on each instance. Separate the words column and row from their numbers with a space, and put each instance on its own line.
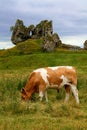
column 51, row 42
column 85, row 45
column 70, row 47
column 43, row 30
column 56, row 39
column 19, row 33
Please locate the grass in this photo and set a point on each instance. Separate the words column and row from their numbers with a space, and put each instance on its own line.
column 28, row 47
column 35, row 115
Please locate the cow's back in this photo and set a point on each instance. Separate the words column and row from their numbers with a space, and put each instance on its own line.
column 54, row 75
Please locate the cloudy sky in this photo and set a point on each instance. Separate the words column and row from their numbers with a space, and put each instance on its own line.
column 69, row 18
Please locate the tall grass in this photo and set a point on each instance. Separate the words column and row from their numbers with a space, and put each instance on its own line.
column 35, row 115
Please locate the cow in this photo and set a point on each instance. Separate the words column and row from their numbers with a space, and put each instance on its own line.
column 51, row 77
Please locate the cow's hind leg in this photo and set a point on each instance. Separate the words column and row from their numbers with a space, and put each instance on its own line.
column 75, row 92
column 67, row 89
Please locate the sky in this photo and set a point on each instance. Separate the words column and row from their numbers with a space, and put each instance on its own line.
column 69, row 18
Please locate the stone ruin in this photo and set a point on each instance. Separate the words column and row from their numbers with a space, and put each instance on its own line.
column 43, row 30
column 51, row 42
column 85, row 45
column 21, row 33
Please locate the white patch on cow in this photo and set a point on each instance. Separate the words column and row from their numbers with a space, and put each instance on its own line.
column 69, row 67
column 53, row 85
column 65, row 80
column 57, row 67
column 43, row 73
column 54, row 68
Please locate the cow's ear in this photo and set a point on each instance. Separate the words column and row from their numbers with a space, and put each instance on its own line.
column 23, row 91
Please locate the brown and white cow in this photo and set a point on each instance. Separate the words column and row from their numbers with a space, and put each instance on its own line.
column 51, row 77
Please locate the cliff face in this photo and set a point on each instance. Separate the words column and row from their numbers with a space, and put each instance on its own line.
column 43, row 30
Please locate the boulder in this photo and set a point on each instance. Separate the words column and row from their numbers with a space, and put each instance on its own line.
column 50, row 42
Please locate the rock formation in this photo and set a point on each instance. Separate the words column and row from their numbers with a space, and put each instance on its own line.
column 70, row 47
column 50, row 42
column 85, row 45
column 42, row 30
column 20, row 32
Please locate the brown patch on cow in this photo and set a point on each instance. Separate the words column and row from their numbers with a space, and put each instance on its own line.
column 35, row 84
column 53, row 77
column 40, row 83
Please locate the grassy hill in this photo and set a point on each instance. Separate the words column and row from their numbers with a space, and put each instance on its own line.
column 15, row 66
column 27, row 47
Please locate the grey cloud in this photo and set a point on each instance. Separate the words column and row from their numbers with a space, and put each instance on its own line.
column 69, row 16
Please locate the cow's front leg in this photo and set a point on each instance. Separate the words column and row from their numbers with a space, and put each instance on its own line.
column 42, row 92
column 46, row 96
column 41, row 95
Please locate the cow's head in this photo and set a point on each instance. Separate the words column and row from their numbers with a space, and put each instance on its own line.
column 25, row 95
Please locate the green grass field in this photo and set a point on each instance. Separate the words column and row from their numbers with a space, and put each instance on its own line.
column 35, row 115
